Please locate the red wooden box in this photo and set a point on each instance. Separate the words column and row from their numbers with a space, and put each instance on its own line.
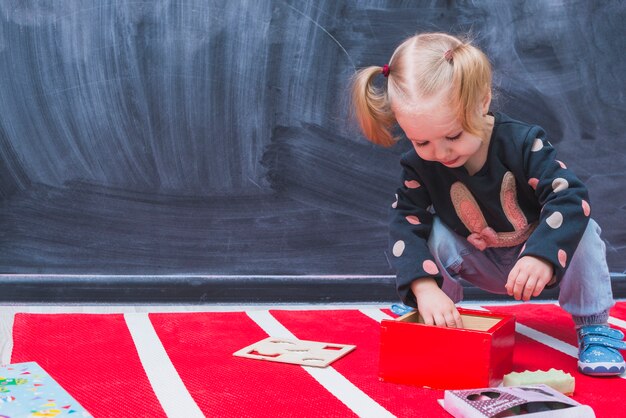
column 476, row 356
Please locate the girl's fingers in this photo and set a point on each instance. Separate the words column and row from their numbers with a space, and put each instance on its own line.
column 529, row 288
column 541, row 284
column 450, row 320
column 518, row 286
column 440, row 320
column 458, row 319
column 511, row 281
column 428, row 319
column 538, row 290
column 453, row 319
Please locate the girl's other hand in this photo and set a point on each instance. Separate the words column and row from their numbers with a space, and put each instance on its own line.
column 529, row 277
column 435, row 307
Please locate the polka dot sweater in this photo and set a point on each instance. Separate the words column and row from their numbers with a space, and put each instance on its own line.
column 522, row 195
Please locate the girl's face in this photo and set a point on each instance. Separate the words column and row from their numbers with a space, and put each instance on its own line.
column 437, row 134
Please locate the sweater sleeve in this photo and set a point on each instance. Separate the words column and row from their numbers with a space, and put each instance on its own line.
column 564, row 204
column 410, row 226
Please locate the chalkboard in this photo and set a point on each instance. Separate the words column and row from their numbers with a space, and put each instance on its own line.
column 214, row 137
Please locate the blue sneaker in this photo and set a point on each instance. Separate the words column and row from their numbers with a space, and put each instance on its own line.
column 598, row 350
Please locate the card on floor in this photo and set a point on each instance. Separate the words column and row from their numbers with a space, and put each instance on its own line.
column 27, row 390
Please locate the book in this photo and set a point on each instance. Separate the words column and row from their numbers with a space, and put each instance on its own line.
column 27, row 390
column 531, row 400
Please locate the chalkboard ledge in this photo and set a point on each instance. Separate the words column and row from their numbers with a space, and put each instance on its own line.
column 199, row 289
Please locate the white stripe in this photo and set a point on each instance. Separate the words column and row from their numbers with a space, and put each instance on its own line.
column 477, row 308
column 6, row 337
column 545, row 339
column 617, row 322
column 376, row 314
column 167, row 384
column 552, row 342
column 328, row 377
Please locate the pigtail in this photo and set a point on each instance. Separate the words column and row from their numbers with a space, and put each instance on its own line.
column 471, row 81
column 370, row 105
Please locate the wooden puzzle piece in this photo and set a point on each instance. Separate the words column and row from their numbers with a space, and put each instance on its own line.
column 556, row 379
column 303, row 352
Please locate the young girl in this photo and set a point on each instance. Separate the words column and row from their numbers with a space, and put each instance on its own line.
column 483, row 197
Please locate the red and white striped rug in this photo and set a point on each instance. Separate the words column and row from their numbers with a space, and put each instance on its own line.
column 181, row 364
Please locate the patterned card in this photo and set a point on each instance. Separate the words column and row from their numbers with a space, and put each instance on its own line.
column 531, row 400
column 26, row 390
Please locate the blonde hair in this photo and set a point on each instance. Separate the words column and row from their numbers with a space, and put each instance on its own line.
column 422, row 66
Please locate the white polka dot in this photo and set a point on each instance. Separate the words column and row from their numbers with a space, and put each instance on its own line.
column 559, row 184
column 586, row 208
column 412, row 184
column 398, row 248
column 562, row 256
column 430, row 267
column 555, row 220
column 533, row 183
column 537, row 145
column 413, row 220
column 561, row 164
column 395, row 203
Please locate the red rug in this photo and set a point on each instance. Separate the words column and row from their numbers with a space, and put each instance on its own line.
column 96, row 359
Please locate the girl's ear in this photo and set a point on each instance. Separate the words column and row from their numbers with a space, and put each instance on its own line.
column 486, row 102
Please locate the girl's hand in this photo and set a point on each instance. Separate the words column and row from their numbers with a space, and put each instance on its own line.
column 528, row 277
column 435, row 307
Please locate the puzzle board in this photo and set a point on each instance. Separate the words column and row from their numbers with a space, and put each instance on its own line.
column 303, row 352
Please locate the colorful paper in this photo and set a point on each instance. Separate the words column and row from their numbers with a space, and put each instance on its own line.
column 26, row 390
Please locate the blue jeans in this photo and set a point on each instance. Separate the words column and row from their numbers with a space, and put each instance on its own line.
column 584, row 290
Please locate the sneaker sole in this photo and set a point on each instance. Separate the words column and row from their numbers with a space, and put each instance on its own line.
column 602, row 369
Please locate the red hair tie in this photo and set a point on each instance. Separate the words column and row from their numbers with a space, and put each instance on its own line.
column 385, row 70
column 448, row 55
